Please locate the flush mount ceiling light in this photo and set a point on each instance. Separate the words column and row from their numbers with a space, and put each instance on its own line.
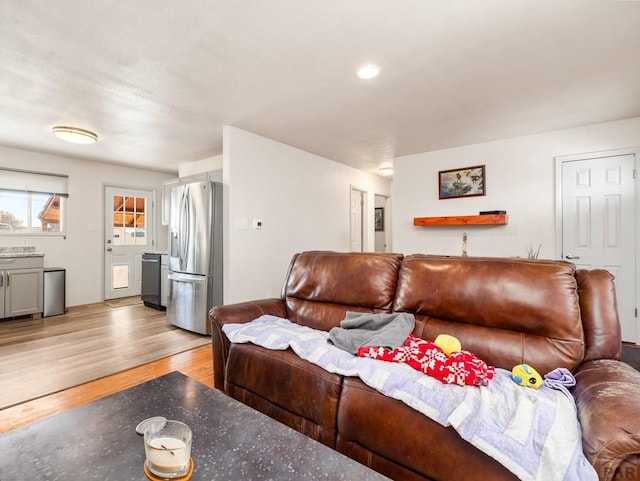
column 367, row 72
column 75, row 135
column 386, row 171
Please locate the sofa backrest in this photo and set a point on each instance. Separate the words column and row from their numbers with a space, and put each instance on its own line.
column 506, row 311
column 322, row 286
column 599, row 311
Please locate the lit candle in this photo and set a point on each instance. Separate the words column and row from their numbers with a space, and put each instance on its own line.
column 167, row 455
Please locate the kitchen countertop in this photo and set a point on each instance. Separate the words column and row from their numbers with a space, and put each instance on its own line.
column 19, row 252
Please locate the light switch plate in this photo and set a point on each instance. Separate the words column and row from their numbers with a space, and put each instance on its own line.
column 242, row 223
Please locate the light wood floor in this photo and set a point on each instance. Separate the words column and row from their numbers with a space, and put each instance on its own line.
column 195, row 363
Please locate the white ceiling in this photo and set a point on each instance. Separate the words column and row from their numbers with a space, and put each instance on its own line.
column 157, row 79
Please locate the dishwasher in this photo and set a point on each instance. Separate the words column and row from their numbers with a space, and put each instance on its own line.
column 151, row 288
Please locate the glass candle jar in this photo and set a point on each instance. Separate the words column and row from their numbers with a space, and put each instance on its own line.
column 167, row 447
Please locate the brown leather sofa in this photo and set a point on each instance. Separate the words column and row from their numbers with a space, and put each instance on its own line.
column 506, row 311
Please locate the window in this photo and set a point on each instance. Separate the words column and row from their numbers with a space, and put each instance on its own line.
column 129, row 221
column 32, row 203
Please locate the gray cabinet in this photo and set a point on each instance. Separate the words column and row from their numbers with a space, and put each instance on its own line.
column 3, row 281
column 21, row 286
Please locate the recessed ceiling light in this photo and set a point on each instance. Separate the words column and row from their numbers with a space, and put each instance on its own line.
column 386, row 171
column 75, row 135
column 367, row 72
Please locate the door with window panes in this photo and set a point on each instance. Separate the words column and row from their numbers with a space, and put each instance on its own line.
column 128, row 234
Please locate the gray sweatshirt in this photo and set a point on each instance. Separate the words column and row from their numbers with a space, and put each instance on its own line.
column 365, row 329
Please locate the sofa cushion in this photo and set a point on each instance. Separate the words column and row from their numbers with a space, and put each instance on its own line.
column 507, row 311
column 389, row 436
column 322, row 286
column 287, row 388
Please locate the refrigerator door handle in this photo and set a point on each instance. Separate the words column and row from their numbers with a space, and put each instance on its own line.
column 187, row 210
column 184, row 227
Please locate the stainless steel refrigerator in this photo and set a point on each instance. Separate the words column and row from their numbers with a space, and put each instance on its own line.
column 195, row 254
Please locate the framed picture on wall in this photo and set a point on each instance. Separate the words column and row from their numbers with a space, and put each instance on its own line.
column 378, row 218
column 465, row 182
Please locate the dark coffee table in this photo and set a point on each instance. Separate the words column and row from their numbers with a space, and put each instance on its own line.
column 231, row 441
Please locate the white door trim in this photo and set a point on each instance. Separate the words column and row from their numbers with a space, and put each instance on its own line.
column 151, row 233
column 559, row 160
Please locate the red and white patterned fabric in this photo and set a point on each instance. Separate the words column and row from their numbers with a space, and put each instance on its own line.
column 462, row 367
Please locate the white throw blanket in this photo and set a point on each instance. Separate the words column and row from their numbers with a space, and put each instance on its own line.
column 533, row 433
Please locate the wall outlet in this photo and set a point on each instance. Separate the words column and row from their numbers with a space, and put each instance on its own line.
column 257, row 224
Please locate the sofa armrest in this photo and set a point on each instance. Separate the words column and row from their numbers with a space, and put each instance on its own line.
column 607, row 394
column 236, row 314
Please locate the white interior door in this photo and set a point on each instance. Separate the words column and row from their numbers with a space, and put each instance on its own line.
column 128, row 230
column 356, row 225
column 598, row 225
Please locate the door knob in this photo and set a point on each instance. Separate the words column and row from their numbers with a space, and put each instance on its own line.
column 570, row 256
column 109, row 249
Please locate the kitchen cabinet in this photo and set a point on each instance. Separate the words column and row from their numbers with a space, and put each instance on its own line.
column 167, row 185
column 21, row 286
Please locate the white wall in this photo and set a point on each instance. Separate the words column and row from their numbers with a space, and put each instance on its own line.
column 302, row 200
column 199, row 166
column 80, row 252
column 519, row 179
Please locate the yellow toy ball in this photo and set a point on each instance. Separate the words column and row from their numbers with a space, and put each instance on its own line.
column 448, row 344
column 526, row 376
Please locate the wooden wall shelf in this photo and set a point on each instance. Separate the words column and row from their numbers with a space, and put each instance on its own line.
column 488, row 219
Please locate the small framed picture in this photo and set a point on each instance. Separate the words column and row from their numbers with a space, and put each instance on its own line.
column 378, row 218
column 465, row 182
